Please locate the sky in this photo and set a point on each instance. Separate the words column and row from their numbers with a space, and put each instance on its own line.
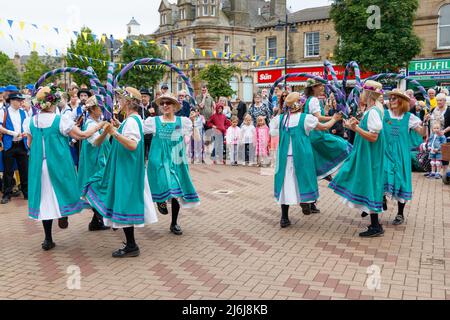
column 102, row 16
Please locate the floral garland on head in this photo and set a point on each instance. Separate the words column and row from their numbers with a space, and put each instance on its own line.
column 48, row 96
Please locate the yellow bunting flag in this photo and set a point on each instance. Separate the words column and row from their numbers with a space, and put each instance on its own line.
column 214, row 54
column 1, row 34
column 46, row 27
column 21, row 25
column 103, row 38
column 204, row 53
column 137, row 42
column 85, row 35
column 34, row 46
column 121, row 40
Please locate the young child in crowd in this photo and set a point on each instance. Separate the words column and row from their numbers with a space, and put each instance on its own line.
column 248, row 141
column 262, row 141
column 435, row 148
column 232, row 139
column 196, row 146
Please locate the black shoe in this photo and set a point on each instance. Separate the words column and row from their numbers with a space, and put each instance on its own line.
column 5, row 200
column 385, row 204
column 25, row 197
column 16, row 194
column 97, row 227
column 48, row 245
column 284, row 223
column 63, row 223
column 328, row 178
column 306, row 208
column 126, row 252
column 399, row 219
column 314, row 209
column 372, row 232
column 364, row 214
column 176, row 230
column 162, row 208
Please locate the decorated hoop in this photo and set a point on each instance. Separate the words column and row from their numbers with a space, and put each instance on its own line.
column 94, row 81
column 160, row 62
column 340, row 99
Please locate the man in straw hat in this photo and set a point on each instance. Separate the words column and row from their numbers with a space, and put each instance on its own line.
column 295, row 178
column 53, row 191
column 399, row 125
column 168, row 171
column 120, row 191
column 360, row 180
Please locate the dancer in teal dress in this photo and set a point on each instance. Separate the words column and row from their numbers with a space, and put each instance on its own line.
column 360, row 180
column 329, row 151
column 119, row 192
column 53, row 192
column 397, row 128
column 168, row 171
column 93, row 156
column 295, row 179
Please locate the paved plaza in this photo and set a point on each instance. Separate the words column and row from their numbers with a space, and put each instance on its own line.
column 233, row 248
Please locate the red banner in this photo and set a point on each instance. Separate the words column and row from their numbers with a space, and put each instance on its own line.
column 269, row 76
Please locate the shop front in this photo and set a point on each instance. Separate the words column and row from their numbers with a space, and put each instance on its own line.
column 431, row 72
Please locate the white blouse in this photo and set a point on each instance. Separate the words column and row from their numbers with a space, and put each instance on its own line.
column 374, row 123
column 247, row 133
column 414, row 121
column 45, row 120
column 311, row 123
column 131, row 129
column 89, row 124
column 150, row 125
column 314, row 105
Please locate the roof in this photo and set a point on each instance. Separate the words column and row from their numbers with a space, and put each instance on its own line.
column 301, row 16
column 133, row 22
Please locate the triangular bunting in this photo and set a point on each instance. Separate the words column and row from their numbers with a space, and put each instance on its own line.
column 10, row 22
column 57, row 30
column 85, row 35
column 21, row 25
column 35, row 25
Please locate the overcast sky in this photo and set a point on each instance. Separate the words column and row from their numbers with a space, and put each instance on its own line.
column 101, row 16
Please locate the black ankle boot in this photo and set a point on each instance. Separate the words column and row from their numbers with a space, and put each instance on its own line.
column 48, row 245
column 306, row 208
column 385, row 204
column 285, row 222
column 127, row 252
column 314, row 209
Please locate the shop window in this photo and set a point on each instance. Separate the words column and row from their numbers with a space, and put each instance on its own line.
column 248, row 89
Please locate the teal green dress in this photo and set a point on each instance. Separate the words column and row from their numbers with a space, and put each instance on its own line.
column 302, row 154
column 168, row 171
column 397, row 164
column 117, row 191
column 61, row 170
column 360, row 179
column 329, row 151
column 92, row 158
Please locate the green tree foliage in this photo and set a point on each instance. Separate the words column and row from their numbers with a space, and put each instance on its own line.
column 8, row 71
column 34, row 69
column 218, row 78
column 140, row 77
column 385, row 49
column 88, row 47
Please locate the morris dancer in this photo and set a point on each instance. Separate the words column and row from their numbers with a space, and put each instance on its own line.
column 329, row 151
column 397, row 127
column 120, row 191
column 360, row 180
column 295, row 178
column 168, row 171
column 93, row 156
column 53, row 192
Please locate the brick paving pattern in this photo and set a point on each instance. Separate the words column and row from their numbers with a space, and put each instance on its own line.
column 233, row 248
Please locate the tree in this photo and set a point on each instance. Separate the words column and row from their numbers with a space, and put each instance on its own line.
column 378, row 34
column 34, row 69
column 85, row 45
column 141, row 77
column 218, row 78
column 8, row 71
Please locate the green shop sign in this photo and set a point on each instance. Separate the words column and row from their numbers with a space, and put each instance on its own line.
column 429, row 69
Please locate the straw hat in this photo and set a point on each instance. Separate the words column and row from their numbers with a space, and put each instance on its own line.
column 373, row 86
column 400, row 93
column 92, row 101
column 42, row 93
column 310, row 83
column 294, row 101
column 170, row 97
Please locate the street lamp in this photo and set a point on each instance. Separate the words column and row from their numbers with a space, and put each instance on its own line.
column 286, row 25
column 178, row 44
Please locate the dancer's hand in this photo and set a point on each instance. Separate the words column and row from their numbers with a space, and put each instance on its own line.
column 337, row 117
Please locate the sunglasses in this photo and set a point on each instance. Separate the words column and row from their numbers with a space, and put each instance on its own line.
column 393, row 99
column 166, row 102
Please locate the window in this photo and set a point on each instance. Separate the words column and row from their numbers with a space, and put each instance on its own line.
column 205, row 8
column 248, row 89
column 254, row 47
column 182, row 14
column 271, row 47
column 163, row 19
column 312, row 44
column 444, row 27
column 234, row 84
column 213, row 8
column 179, row 84
column 227, row 44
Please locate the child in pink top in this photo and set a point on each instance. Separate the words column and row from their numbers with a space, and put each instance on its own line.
column 262, row 141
